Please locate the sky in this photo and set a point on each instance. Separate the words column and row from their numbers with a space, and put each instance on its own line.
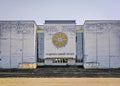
column 41, row 10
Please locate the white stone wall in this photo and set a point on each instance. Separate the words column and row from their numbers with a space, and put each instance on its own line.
column 17, row 43
column 69, row 50
column 102, row 43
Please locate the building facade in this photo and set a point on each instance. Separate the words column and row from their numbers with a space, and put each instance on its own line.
column 95, row 44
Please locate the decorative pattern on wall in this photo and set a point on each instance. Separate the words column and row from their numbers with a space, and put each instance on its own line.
column 60, row 39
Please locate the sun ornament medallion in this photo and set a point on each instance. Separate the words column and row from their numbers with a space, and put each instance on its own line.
column 60, row 39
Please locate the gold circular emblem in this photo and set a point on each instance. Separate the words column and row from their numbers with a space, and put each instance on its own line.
column 60, row 39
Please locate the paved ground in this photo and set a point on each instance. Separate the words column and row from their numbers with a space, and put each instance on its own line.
column 59, row 81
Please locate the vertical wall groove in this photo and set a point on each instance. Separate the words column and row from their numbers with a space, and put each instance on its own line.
column 96, row 47
column 109, row 48
column 0, row 38
column 22, row 44
column 0, row 45
column 10, row 45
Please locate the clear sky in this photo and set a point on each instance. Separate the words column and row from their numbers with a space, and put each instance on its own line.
column 41, row 10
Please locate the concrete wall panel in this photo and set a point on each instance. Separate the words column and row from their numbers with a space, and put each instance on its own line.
column 5, row 44
column 16, row 52
column 103, row 49
column 115, row 62
column 89, row 47
column 17, row 43
column 107, row 43
column 115, row 48
column 5, row 53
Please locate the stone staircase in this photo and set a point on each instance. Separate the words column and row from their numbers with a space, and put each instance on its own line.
column 59, row 71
